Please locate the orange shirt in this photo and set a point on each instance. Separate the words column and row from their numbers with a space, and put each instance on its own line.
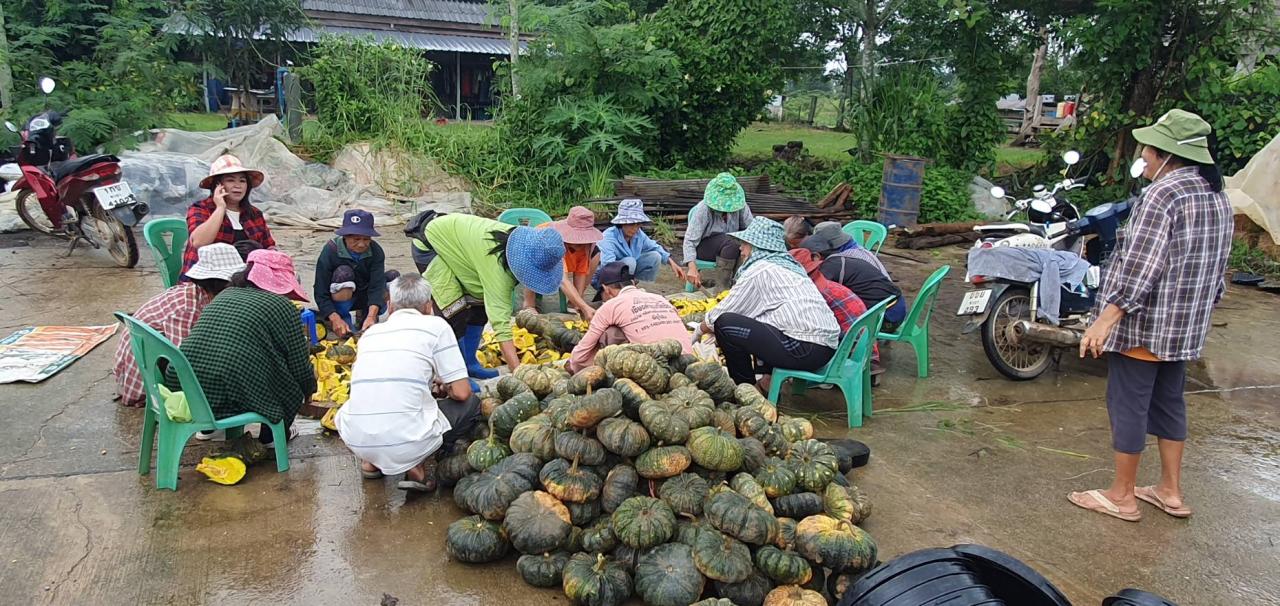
column 578, row 262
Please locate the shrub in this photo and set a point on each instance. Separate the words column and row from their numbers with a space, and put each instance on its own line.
column 368, row 90
column 944, row 197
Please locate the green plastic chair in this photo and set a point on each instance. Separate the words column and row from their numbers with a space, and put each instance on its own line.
column 531, row 217
column 868, row 234
column 701, row 265
column 849, row 368
column 915, row 326
column 149, row 348
column 168, row 255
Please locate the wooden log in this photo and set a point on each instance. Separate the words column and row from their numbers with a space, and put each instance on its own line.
column 922, row 242
column 843, row 199
column 940, row 229
column 831, row 196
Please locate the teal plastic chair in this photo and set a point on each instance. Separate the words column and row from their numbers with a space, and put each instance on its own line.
column 849, row 369
column 701, row 265
column 868, row 234
column 149, row 348
column 915, row 326
column 531, row 217
column 168, row 254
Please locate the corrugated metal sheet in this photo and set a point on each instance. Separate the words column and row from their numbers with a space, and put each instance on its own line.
column 435, row 42
column 451, row 11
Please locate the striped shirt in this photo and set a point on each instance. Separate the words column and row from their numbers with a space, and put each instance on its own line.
column 783, row 299
column 391, row 409
column 1168, row 269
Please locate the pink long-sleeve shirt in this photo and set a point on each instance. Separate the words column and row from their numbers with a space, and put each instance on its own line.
column 643, row 318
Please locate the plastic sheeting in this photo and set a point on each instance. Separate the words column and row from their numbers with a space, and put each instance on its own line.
column 166, row 173
column 1255, row 190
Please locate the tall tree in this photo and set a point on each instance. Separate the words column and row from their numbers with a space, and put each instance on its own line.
column 240, row 37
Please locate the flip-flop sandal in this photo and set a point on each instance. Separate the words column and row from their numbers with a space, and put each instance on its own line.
column 1149, row 494
column 412, row 486
column 369, row 475
column 1094, row 500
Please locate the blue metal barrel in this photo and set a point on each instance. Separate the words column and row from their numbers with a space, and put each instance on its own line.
column 900, row 194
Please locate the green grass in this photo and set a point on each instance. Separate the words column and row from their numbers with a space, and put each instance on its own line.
column 196, row 122
column 1018, row 157
column 757, row 140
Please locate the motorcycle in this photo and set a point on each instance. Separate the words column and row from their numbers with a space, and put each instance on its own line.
column 1017, row 342
column 1047, row 215
column 78, row 198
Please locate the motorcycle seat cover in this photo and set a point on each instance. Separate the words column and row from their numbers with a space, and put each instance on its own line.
column 60, row 170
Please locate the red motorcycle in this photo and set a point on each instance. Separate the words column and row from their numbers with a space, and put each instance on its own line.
column 75, row 198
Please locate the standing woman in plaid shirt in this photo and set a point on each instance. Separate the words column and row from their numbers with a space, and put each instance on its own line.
column 1156, row 298
column 226, row 215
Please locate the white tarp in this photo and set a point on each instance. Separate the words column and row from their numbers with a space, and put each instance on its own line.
column 1255, row 190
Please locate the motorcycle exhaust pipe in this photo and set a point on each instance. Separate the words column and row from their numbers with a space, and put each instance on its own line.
column 1043, row 333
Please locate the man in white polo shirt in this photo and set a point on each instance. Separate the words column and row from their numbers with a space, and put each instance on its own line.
column 392, row 422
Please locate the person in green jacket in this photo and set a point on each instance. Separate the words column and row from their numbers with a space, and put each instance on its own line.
column 473, row 275
column 353, row 247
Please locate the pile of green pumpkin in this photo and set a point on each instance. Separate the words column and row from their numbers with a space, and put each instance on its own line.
column 652, row 474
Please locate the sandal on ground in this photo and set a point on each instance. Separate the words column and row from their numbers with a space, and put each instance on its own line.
column 1149, row 494
column 1094, row 500
column 375, row 474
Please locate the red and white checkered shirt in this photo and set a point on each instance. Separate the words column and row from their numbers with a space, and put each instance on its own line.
column 172, row 313
column 1169, row 266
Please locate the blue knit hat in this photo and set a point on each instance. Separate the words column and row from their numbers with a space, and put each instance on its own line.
column 536, row 258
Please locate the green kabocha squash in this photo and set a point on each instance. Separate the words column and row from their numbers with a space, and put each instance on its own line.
column 509, row 386
column 593, row 580
column 715, row 449
column 599, row 537
column 839, row 583
column 572, row 542
column 774, row 442
column 721, row 557
column 622, row 436
column 815, row 464
column 632, row 397
column 748, row 422
column 663, row 462
column 745, row 485
column 542, row 570
column 643, row 522
column 734, row 515
column 535, row 436
column 684, row 493
column 619, row 485
column 818, row 581
column 475, row 540
column 836, row 544
column 667, row 576
column 489, row 403
column 627, row 556
column 518, row 409
column 753, row 454
column 588, row 379
column 749, row 397
column 687, row 530
column 492, row 492
column 462, row 491
column 798, row 505
column 750, row 592
column 694, row 404
column 537, row 522
column 638, row 367
column 539, row 378
column 776, row 477
column 453, row 468
column 712, row 378
column 795, row 429
column 581, row 514
column 861, row 504
column 593, row 408
column 794, row 595
column 659, row 418
column 572, row 445
column 837, row 503
column 483, row 454
column 664, row 349
column 784, row 567
column 786, row 533
column 679, row 380
column 722, row 418
column 714, row 602
column 570, row 482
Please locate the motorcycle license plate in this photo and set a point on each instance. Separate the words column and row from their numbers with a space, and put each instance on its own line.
column 975, row 302
column 114, row 195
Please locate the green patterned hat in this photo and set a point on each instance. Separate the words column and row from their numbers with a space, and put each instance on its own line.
column 724, row 194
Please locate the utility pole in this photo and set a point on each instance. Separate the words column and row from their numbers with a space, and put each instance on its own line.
column 6, row 75
column 515, row 45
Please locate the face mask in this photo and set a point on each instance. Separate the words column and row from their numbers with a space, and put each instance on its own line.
column 1138, row 167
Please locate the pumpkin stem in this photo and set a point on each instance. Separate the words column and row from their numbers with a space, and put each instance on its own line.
column 574, row 467
column 599, row 562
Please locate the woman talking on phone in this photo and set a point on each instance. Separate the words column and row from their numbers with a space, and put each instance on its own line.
column 226, row 215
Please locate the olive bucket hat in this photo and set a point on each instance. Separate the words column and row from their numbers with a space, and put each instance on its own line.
column 1180, row 133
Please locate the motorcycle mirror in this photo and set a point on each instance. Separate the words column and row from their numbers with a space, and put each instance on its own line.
column 1071, row 157
column 9, row 125
column 997, row 192
column 47, row 85
column 1042, row 206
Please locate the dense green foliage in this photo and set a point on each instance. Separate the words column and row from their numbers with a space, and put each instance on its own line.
column 368, row 90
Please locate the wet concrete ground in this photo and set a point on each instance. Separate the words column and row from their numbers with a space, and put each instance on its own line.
column 990, row 462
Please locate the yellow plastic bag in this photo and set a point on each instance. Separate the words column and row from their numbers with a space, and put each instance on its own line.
column 327, row 421
column 175, row 405
column 223, row 470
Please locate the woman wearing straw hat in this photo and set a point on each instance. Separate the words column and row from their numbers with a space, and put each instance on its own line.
column 477, row 265
column 1156, row 298
column 226, row 215
column 581, row 258
column 627, row 243
column 248, row 349
column 723, row 210
column 774, row 312
column 174, row 312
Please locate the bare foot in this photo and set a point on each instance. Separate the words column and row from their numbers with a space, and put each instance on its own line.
column 369, row 467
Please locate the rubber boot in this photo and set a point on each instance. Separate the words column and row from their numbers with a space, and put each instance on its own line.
column 725, row 270
column 470, row 343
